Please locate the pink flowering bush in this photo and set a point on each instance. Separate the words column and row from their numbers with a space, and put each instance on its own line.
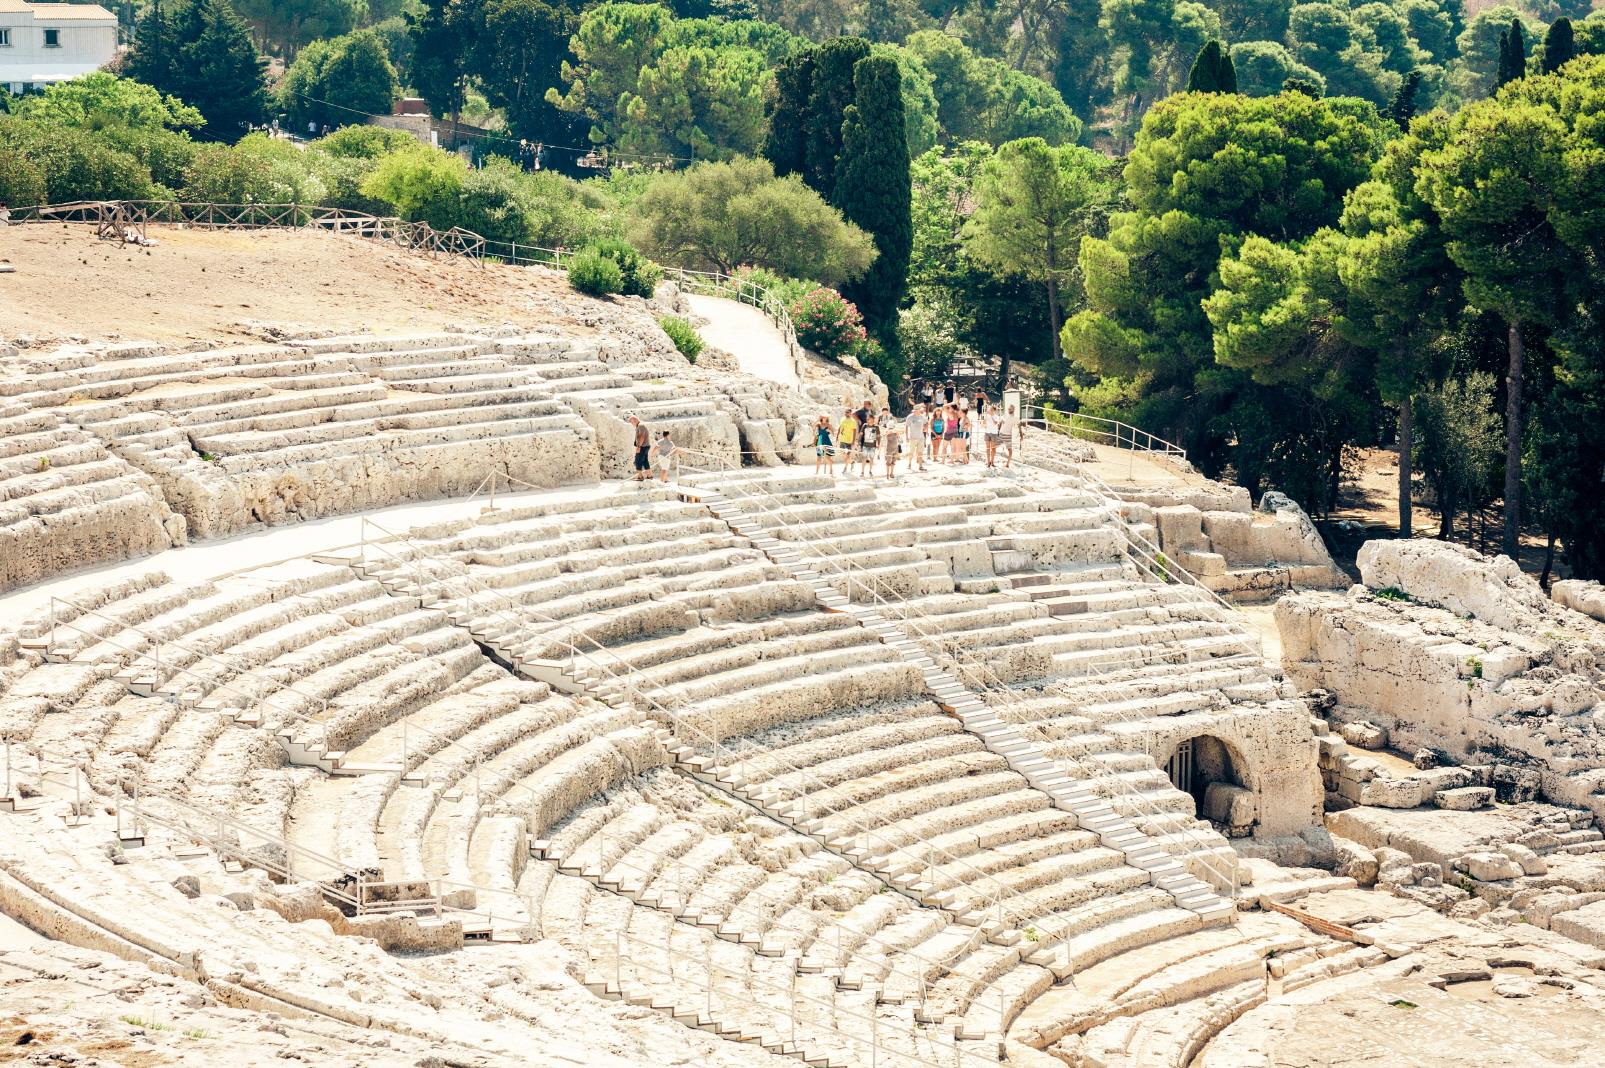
column 828, row 323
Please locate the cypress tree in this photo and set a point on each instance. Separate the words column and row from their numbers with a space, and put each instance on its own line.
column 153, row 58
column 831, row 91
column 873, row 189
column 1560, row 45
column 1226, row 71
column 1212, row 71
column 1512, row 55
column 1403, row 107
column 786, row 143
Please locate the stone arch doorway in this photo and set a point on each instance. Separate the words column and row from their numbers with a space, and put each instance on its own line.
column 1205, row 761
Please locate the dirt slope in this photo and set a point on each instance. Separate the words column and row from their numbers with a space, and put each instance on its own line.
column 210, row 285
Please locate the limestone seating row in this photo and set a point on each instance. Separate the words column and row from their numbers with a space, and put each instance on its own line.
column 778, row 894
column 721, row 986
column 1000, row 737
column 263, row 433
column 257, row 955
column 647, row 958
column 957, row 826
column 65, row 502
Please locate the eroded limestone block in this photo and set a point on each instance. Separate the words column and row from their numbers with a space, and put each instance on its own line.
column 1464, row 798
column 1531, row 863
column 1234, row 807
column 1580, row 596
column 1585, row 924
column 1489, row 867
column 1454, row 577
column 1355, row 862
column 1363, row 734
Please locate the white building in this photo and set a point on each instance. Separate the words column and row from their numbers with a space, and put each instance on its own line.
column 45, row 43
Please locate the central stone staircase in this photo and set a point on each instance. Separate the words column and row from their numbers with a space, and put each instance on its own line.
column 1092, row 812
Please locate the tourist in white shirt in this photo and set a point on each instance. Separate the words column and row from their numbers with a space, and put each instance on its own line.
column 1010, row 429
column 918, row 424
column 992, row 426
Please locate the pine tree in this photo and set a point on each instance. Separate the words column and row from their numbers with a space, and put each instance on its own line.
column 786, row 143
column 440, row 58
column 1212, row 71
column 201, row 52
column 1403, row 107
column 1560, row 45
column 873, row 189
column 831, row 91
column 1512, row 55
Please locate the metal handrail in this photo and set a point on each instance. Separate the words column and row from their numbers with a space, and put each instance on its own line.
column 621, row 673
column 1117, row 434
column 981, row 675
column 972, row 670
column 1145, row 553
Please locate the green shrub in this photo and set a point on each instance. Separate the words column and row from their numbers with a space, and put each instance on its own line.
column 364, row 142
column 787, row 291
column 258, row 170
column 45, row 163
column 684, row 336
column 640, row 275
column 593, row 273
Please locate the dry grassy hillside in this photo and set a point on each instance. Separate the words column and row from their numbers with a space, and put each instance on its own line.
column 205, row 285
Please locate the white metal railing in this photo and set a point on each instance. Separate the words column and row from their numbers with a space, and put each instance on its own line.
column 1143, row 552
column 230, row 838
column 859, row 1033
column 1111, row 432
column 971, row 670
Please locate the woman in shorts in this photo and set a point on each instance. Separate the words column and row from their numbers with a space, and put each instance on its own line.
column 824, row 449
column 950, row 434
column 993, row 425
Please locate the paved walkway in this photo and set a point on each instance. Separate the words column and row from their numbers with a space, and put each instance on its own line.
column 747, row 334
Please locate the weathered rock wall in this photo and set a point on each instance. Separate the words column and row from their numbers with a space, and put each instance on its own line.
column 1585, row 597
column 1245, row 554
column 1498, row 675
column 66, row 503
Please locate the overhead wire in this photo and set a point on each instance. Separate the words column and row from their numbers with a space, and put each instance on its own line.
column 486, row 135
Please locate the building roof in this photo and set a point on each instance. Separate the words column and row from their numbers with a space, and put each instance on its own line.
column 57, row 12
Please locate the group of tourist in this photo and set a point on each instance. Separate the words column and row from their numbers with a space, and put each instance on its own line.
column 952, row 432
column 955, row 431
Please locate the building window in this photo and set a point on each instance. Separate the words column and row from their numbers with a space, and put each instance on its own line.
column 52, row 38
column 5, row 38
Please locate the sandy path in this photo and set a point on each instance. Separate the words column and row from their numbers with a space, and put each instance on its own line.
column 747, row 334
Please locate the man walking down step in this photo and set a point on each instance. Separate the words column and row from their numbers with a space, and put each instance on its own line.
column 643, row 450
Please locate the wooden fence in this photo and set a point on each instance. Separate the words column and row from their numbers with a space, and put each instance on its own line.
column 123, row 220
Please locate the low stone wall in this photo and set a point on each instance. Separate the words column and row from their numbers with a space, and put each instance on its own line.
column 1244, row 554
